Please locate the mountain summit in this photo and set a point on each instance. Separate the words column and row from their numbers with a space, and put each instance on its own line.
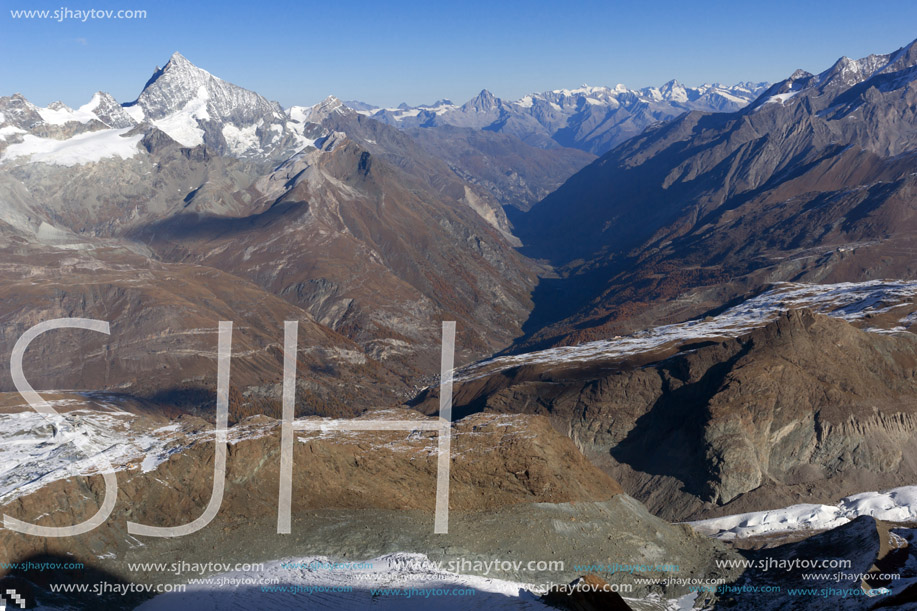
column 194, row 107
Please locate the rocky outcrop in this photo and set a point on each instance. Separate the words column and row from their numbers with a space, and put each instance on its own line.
column 803, row 408
column 588, row 593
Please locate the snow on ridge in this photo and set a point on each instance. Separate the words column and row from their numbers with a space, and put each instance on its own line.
column 780, row 98
column 241, row 140
column 9, row 130
column 87, row 147
column 896, row 505
column 135, row 112
column 561, row 99
column 36, row 450
column 60, row 114
column 849, row 300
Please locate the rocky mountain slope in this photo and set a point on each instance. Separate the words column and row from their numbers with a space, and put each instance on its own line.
column 369, row 249
column 813, row 182
column 806, row 408
column 163, row 320
column 515, row 173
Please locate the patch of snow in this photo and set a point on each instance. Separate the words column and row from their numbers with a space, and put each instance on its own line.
column 62, row 115
column 35, row 451
column 398, row 571
column 780, row 98
column 301, row 113
column 10, row 130
column 241, row 140
column 83, row 148
column 183, row 126
column 897, row 505
column 135, row 112
column 404, row 114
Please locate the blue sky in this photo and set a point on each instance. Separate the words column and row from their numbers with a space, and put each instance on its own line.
column 386, row 52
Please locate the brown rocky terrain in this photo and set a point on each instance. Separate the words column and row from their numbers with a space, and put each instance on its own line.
column 362, row 494
column 805, row 408
column 163, row 339
column 368, row 251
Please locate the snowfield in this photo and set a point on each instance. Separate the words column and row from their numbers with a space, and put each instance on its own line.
column 88, row 147
column 35, row 451
column 293, row 582
column 897, row 505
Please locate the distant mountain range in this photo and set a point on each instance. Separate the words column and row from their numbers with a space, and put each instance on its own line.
column 194, row 108
column 592, row 119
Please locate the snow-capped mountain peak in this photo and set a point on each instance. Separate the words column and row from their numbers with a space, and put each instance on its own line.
column 181, row 83
column 196, row 108
column 187, row 103
column 823, row 89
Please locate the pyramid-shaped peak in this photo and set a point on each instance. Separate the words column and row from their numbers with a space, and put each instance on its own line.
column 483, row 101
column 177, row 59
column 180, row 63
column 180, row 86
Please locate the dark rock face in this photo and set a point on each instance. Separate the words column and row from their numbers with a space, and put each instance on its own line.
column 587, row 593
column 805, row 407
column 870, row 546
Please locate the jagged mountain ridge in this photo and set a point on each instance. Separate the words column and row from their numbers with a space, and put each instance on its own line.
column 195, row 107
column 592, row 119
